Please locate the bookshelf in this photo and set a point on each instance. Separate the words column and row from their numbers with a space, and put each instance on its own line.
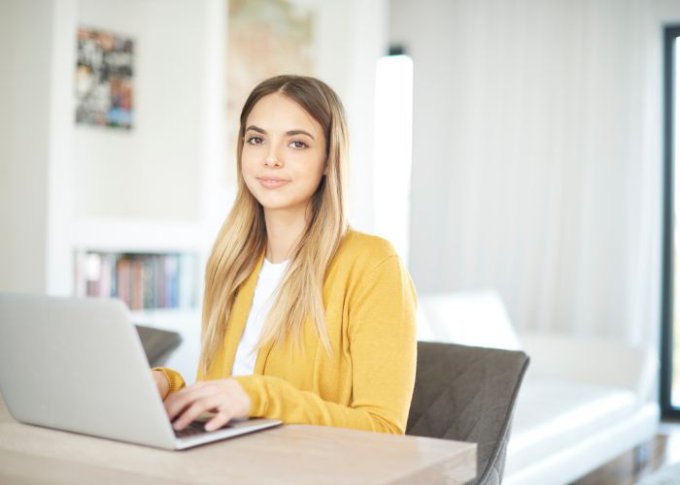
column 143, row 281
column 154, row 267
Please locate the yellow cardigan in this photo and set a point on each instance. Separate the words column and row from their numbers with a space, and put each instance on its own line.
column 367, row 381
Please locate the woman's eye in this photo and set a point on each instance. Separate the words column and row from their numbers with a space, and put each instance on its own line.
column 298, row 144
column 254, row 140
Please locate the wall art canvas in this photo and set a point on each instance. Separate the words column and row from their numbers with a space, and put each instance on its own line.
column 104, row 79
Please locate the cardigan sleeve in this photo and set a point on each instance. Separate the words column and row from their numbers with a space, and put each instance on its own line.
column 175, row 379
column 382, row 337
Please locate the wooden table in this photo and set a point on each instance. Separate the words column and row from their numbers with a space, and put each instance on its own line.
column 287, row 454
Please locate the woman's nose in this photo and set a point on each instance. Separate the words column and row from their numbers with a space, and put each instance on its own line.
column 272, row 159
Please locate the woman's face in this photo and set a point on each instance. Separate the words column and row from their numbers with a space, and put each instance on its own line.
column 283, row 158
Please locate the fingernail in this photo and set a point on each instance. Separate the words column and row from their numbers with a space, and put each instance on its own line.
column 210, row 427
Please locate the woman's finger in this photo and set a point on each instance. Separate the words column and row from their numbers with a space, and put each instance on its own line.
column 226, row 397
column 219, row 420
column 176, row 402
column 195, row 410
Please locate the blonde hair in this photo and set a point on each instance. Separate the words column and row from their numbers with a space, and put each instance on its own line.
column 242, row 239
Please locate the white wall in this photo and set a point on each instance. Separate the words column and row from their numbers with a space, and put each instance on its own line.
column 60, row 167
column 351, row 36
column 5, row 149
column 25, row 56
column 152, row 171
column 58, row 180
column 536, row 157
column 168, row 167
column 368, row 42
column 136, row 174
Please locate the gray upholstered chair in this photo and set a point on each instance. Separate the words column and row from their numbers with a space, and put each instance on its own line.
column 468, row 394
column 158, row 344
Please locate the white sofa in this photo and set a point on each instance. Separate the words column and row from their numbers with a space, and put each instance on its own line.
column 582, row 402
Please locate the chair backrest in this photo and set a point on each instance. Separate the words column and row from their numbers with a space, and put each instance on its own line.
column 468, row 394
column 158, row 343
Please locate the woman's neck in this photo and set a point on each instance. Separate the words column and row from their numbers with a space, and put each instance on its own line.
column 284, row 231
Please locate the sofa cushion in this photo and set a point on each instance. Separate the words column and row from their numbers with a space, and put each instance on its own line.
column 473, row 318
column 423, row 326
column 553, row 413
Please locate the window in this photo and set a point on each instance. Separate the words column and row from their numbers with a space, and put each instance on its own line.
column 392, row 154
column 670, row 334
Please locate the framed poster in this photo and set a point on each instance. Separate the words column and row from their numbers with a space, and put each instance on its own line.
column 104, row 79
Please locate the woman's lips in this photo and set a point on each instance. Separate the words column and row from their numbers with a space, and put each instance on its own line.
column 272, row 182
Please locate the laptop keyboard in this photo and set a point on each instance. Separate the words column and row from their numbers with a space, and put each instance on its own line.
column 194, row 429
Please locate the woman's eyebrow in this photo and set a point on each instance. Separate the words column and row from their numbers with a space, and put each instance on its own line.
column 288, row 133
column 299, row 132
column 256, row 128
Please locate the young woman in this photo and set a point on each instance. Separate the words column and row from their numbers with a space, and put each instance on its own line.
column 304, row 320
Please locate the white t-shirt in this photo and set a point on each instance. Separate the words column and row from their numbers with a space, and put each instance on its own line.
column 265, row 292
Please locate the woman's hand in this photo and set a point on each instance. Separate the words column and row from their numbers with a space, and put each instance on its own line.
column 161, row 383
column 225, row 397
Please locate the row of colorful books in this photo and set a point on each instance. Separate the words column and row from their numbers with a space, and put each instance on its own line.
column 142, row 281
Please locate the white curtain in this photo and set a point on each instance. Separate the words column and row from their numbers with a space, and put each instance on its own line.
column 537, row 157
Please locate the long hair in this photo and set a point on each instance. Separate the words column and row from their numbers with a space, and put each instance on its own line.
column 243, row 236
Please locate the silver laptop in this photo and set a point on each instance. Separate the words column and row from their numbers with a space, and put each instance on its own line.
column 77, row 364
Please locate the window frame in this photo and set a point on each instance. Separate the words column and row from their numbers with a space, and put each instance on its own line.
column 670, row 34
